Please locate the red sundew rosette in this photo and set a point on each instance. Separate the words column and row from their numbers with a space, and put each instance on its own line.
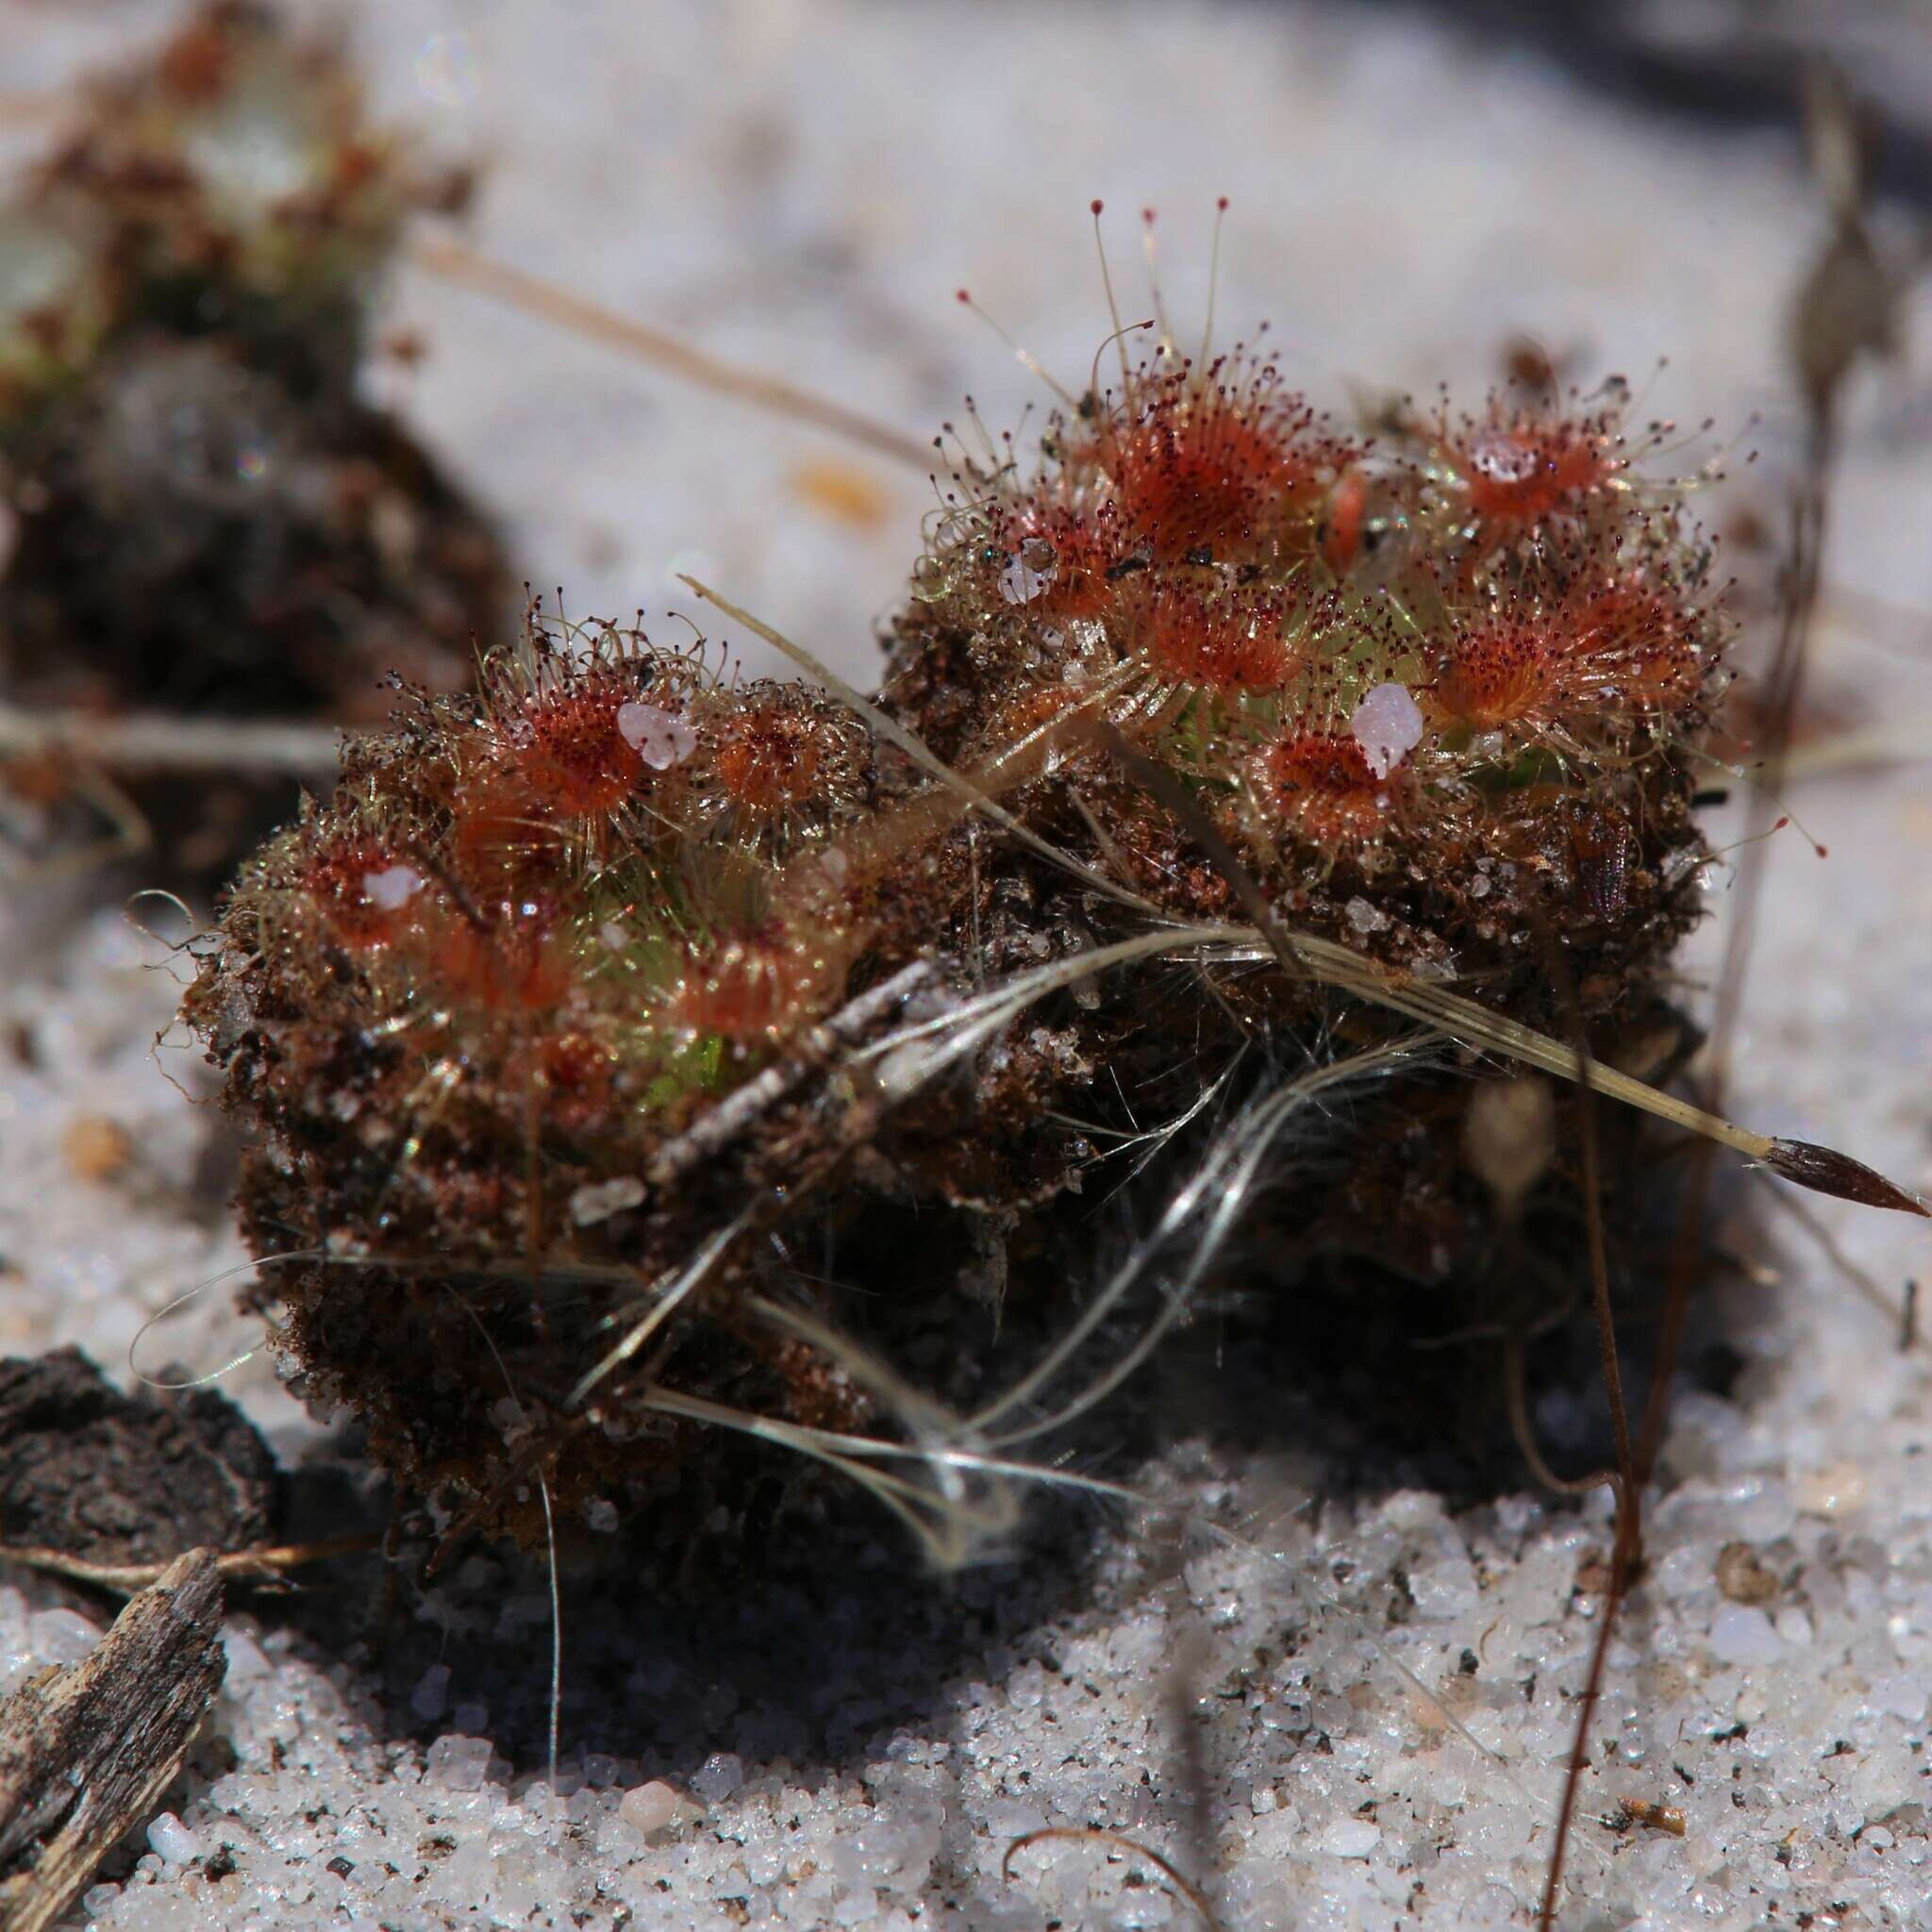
column 1228, row 641
column 756, row 988
column 1516, row 470
column 771, row 764
column 1185, row 469
column 394, row 909
column 1588, row 661
column 1315, row 784
column 362, row 891
column 1212, row 464
column 565, row 754
column 1058, row 560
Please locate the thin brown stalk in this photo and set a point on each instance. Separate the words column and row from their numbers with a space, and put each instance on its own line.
column 453, row 261
column 1095, row 1834
column 263, row 1563
column 166, row 741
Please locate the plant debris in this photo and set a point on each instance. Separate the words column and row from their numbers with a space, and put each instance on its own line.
column 124, row 1479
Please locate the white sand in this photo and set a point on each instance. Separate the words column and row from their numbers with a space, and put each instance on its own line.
column 802, row 186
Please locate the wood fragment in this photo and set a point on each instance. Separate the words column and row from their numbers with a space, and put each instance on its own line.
column 86, row 1750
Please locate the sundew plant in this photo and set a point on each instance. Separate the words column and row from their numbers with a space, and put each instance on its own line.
column 1226, row 763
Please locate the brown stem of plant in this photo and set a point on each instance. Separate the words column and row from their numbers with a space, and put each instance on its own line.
column 165, row 741
column 1626, row 1550
column 562, row 308
column 1785, row 686
column 1095, row 1834
column 262, row 1564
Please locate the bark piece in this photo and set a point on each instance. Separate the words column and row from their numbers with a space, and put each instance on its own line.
column 86, row 1750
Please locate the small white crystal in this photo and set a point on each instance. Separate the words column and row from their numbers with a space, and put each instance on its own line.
column 1007, row 1818
column 173, row 1840
column 1903, row 1697
column 1504, row 458
column 856, row 1906
column 600, row 1515
column 1030, row 572
column 1290, row 1712
column 1388, row 725
column 1351, row 1837
column 719, row 1778
column 1445, row 1589
column 246, row 1658
column 1832, row 1492
column 661, row 738
column 392, row 887
column 458, row 1762
column 1027, row 1687
column 60, row 1636
column 430, row 1698
column 1793, row 1627
column 648, row 1808
column 598, row 1201
column 1742, row 1634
